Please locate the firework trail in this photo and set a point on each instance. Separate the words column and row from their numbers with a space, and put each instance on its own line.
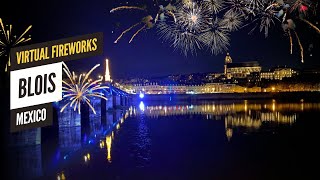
column 300, row 45
column 300, row 5
column 9, row 40
column 310, row 24
column 290, row 39
column 125, row 31
column 79, row 91
column 271, row 6
column 135, row 34
column 126, row 8
column 147, row 24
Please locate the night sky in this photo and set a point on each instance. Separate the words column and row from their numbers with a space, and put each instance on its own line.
column 147, row 55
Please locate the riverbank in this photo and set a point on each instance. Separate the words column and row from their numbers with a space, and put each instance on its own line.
column 311, row 96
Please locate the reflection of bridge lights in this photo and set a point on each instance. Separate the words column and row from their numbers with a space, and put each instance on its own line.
column 61, row 176
column 141, row 95
column 141, row 106
column 101, row 144
column 86, row 157
column 108, row 142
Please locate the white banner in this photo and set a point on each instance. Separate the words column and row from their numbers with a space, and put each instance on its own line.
column 36, row 85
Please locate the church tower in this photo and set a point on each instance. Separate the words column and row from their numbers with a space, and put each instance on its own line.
column 107, row 77
column 227, row 60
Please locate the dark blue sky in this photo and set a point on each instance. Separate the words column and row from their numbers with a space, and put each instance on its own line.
column 147, row 55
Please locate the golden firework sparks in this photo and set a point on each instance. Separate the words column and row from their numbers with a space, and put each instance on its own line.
column 126, row 8
column 8, row 40
column 81, row 89
column 134, row 35
column 290, row 38
column 311, row 25
column 301, row 47
column 125, row 31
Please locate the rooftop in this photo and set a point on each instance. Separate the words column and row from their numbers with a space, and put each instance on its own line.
column 243, row 64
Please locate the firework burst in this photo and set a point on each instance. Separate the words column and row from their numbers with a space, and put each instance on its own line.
column 185, row 41
column 265, row 17
column 78, row 89
column 254, row 4
column 214, row 5
column 8, row 40
column 217, row 38
column 232, row 20
column 193, row 18
column 239, row 6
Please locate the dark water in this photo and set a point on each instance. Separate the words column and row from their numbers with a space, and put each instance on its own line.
column 209, row 140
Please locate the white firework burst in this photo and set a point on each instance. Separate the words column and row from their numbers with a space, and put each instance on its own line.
column 184, row 41
column 214, row 5
column 254, row 4
column 217, row 38
column 232, row 20
column 239, row 6
column 193, row 18
column 266, row 17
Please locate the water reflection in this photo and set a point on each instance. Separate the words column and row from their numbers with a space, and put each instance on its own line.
column 242, row 117
column 107, row 141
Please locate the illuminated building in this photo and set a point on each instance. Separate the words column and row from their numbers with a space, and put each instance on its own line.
column 244, row 77
column 267, row 75
column 242, row 70
column 278, row 73
column 154, row 88
column 107, row 76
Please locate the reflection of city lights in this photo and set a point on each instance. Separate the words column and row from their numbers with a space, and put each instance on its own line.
column 141, row 106
column 245, row 105
column 229, row 133
column 141, row 95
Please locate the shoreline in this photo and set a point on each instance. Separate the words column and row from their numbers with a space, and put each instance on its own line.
column 310, row 96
